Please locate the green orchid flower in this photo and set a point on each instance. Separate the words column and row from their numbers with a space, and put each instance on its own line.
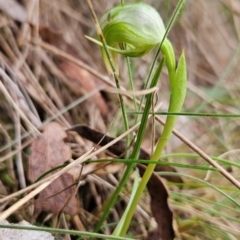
column 136, row 27
column 133, row 30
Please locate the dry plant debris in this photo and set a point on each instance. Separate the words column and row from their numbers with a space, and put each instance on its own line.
column 47, row 152
column 52, row 78
column 15, row 10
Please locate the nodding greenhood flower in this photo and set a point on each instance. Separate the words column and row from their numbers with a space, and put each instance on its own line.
column 131, row 30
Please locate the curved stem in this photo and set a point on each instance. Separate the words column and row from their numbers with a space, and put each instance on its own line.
column 178, row 91
column 138, row 144
column 170, row 60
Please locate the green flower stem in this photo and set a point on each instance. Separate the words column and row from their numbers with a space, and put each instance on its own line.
column 168, row 52
column 149, row 75
column 178, row 92
column 109, row 204
column 140, row 28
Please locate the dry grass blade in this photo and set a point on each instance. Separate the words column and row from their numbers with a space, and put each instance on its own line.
column 14, row 10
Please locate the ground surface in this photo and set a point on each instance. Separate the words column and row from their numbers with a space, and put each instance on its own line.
column 50, row 73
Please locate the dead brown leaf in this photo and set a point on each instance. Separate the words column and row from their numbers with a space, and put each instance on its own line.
column 49, row 151
column 56, row 196
column 15, row 10
column 159, row 206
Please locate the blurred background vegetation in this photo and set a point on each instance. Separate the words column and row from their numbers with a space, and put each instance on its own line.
column 39, row 82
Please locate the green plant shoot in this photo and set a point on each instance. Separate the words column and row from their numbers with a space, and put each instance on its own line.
column 133, row 30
